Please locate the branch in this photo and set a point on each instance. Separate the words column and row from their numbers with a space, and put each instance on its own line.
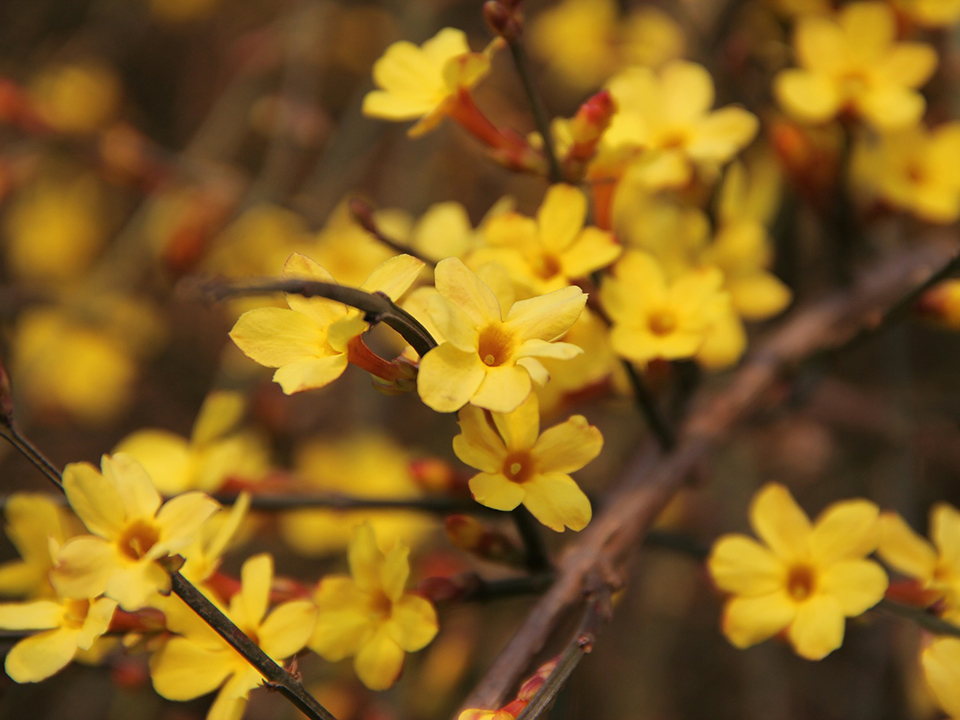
column 647, row 404
column 537, row 557
column 377, row 306
column 291, row 501
column 921, row 617
column 652, row 479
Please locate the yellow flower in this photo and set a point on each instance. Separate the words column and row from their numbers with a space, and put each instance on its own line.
column 488, row 359
column 930, row 13
column 79, row 98
column 368, row 615
column 653, row 318
column 552, row 251
column 941, row 304
column 854, row 63
column 936, row 565
column 33, row 521
column 804, row 579
column 131, row 532
column 309, row 343
column 941, row 669
column 915, row 170
column 202, row 555
column 363, row 465
column 669, row 116
column 422, row 83
column 519, row 464
column 215, row 452
column 199, row 661
column 68, row 626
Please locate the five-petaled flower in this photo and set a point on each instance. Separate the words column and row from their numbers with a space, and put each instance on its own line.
column 131, row 532
column 368, row 615
column 488, row 359
column 805, row 579
column 519, row 464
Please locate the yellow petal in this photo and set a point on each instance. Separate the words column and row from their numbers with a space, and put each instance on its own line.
column 818, row 628
column 561, row 217
column 495, row 491
column 365, row 558
column 231, row 701
column 892, row 108
column 807, row 96
column 274, row 337
column 94, row 499
column 381, row 104
column 165, row 456
column 546, row 317
column 37, row 615
column 686, row 92
column 449, row 377
column 38, row 657
column 97, row 622
column 84, row 566
column 454, row 324
column 520, row 428
column 465, row 290
column 394, row 276
column 287, row 629
column 909, row 64
column 32, row 519
column 941, row 667
column 465, row 71
column 869, row 29
column 557, row 501
column 846, row 530
column 945, row 532
column 256, row 575
column 413, row 623
column 722, row 134
column 322, row 311
column 503, row 389
column 395, row 571
column 857, row 585
column 182, row 670
column 219, row 414
column 779, row 521
column 593, row 249
column 140, row 498
column 310, row 373
column 741, row 565
column 478, row 445
column 820, row 44
column 550, row 350
column 750, row 620
column 567, row 447
column 134, row 586
column 379, row 661
column 904, row 550
column 342, row 620
column 181, row 518
column 759, row 296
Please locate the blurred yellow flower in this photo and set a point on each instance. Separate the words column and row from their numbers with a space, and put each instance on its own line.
column 131, row 532
column 423, row 83
column 930, row 13
column 202, row 555
column 363, row 465
column 67, row 626
column 216, row 451
column 805, row 578
column 521, row 465
column 55, row 227
column 487, row 359
column 198, row 661
column 77, row 98
column 181, row 11
column 655, row 318
column 33, row 522
column 854, row 63
column 941, row 669
column 257, row 242
column 551, row 251
column 368, row 615
column 941, row 304
column 309, row 344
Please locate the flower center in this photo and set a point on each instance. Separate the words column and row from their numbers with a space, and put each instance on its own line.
column 519, row 467
column 662, row 322
column 801, row 582
column 380, row 605
column 75, row 613
column 549, row 267
column 495, row 346
column 138, row 538
column 915, row 173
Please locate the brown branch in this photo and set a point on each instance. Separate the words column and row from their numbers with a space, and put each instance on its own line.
column 652, row 479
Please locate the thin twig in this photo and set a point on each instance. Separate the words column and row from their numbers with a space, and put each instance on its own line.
column 363, row 213
column 11, row 433
column 333, row 501
column 377, row 306
column 537, row 557
column 921, row 617
column 647, row 404
column 522, row 63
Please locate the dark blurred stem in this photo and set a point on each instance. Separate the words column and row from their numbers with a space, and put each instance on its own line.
column 920, row 616
column 302, row 501
column 522, row 63
column 530, row 532
column 11, row 433
column 647, row 404
column 845, row 229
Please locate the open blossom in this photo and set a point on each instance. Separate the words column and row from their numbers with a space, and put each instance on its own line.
column 423, row 83
column 131, row 532
column 941, row 669
column 198, row 660
column 804, row 579
column 311, row 343
column 33, row 520
column 67, row 626
column 854, row 63
column 519, row 464
column 489, row 357
column 369, row 616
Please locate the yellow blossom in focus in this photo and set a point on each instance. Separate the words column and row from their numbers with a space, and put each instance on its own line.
column 804, row 578
column 931, row 14
column 941, row 670
column 78, row 98
column 216, row 450
column 668, row 115
column 422, row 83
column 521, row 465
column 131, row 532
column 854, row 63
column 368, row 615
column 309, row 344
column 198, row 661
column 202, row 555
column 935, row 565
column 67, row 626
column 655, row 318
column 551, row 251
column 33, row 521
column 55, row 227
column 488, row 357
column 363, row 465
column 915, row 170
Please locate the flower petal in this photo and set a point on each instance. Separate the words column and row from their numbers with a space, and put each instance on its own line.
column 287, row 628
column 741, row 565
column 807, row 96
column 857, row 585
column 365, row 558
column 84, row 566
column 567, row 447
column 97, row 621
column 520, row 428
column 779, row 521
column 379, row 661
column 495, row 491
column 322, row 311
column 468, row 292
column 94, row 499
column 183, row 670
column 413, row 623
column 342, row 621
column 449, row 377
column 503, row 389
column 256, row 575
column 561, row 216
column 395, row 571
column 945, row 532
column 546, row 317
column 478, row 445
column 181, row 518
column 310, row 373
column 750, row 620
column 941, row 666
column 846, row 530
column 557, row 501
column 394, row 276
column 275, row 337
column 37, row 615
column 140, row 498
column 818, row 628
column 905, row 551
column 38, row 657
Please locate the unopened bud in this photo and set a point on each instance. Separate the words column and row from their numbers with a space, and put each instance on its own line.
column 593, row 118
column 504, row 18
column 941, row 304
column 433, row 474
column 472, row 536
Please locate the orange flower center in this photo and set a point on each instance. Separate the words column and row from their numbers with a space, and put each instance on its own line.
column 519, row 467
column 801, row 582
column 495, row 346
column 138, row 538
column 662, row 322
column 75, row 613
column 549, row 267
column 380, row 605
